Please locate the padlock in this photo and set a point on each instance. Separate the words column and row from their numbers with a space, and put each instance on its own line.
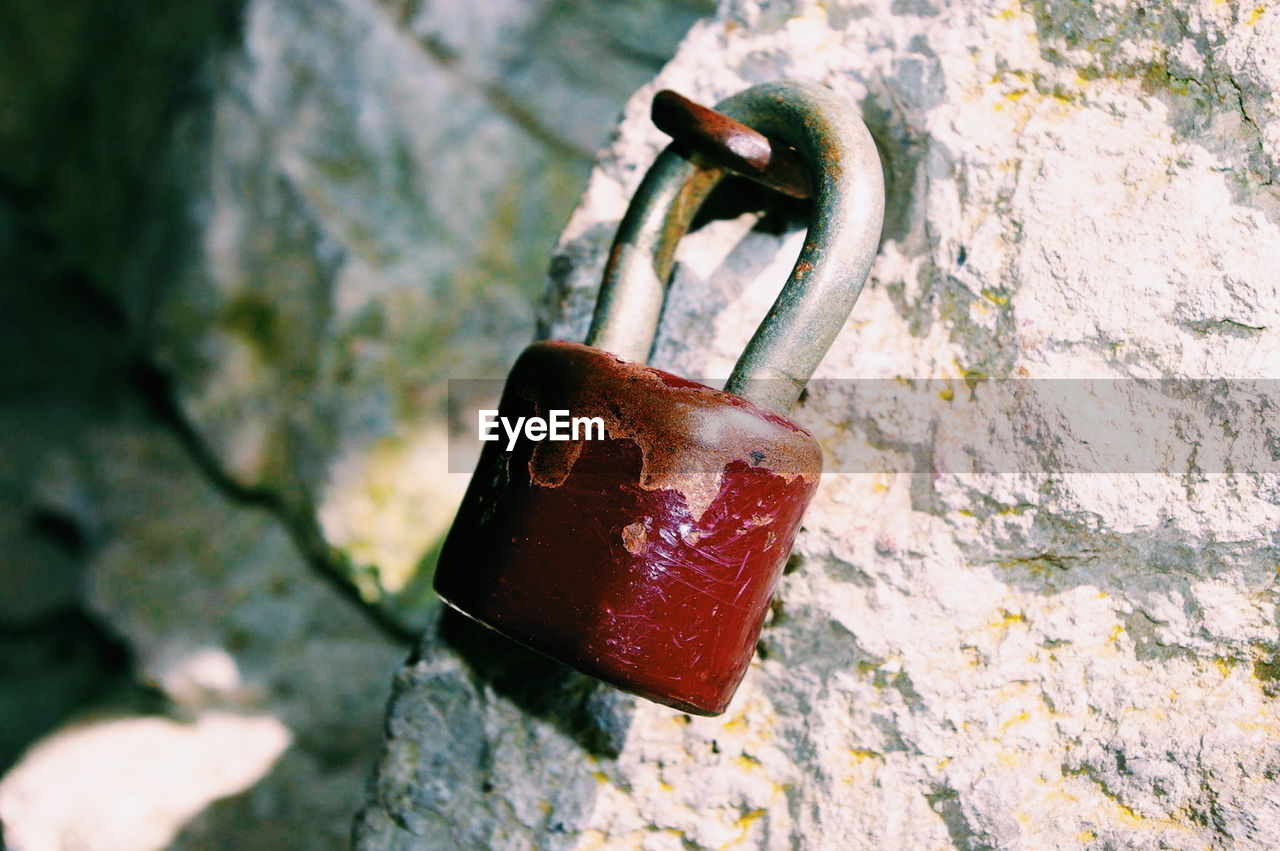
column 648, row 558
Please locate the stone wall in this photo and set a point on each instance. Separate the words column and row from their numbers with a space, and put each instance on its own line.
column 241, row 245
column 1043, row 660
column 245, row 244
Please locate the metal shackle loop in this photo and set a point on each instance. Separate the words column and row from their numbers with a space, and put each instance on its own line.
column 843, row 238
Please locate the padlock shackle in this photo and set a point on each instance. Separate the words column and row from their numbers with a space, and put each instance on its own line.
column 842, row 242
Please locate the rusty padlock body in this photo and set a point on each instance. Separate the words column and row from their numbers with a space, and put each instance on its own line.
column 648, row 559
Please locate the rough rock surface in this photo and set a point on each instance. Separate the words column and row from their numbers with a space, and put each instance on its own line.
column 378, row 187
column 273, row 684
column 1041, row 660
column 241, row 243
column 161, row 773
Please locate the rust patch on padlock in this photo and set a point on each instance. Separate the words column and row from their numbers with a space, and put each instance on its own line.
column 687, row 433
column 635, row 538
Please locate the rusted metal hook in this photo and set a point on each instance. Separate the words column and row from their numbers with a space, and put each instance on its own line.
column 731, row 144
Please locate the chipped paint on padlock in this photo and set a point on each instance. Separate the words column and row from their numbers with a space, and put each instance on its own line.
column 648, row 559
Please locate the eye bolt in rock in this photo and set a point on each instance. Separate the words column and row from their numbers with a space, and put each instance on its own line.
column 648, row 559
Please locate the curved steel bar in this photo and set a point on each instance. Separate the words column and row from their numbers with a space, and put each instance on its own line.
column 635, row 280
column 843, row 238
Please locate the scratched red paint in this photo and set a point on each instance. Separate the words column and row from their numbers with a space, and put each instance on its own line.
column 610, row 573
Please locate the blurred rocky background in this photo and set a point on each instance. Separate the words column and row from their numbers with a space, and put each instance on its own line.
column 242, row 244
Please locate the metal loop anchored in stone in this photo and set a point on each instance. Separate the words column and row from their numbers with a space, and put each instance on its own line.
column 844, row 174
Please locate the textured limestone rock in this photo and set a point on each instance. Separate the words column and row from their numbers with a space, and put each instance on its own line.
column 161, row 773
column 269, row 687
column 1038, row 660
column 307, row 215
column 55, row 373
column 272, row 685
column 376, row 189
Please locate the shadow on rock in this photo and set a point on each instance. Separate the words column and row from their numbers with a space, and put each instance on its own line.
column 595, row 716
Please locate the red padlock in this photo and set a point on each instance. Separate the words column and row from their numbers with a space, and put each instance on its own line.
column 648, row 558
